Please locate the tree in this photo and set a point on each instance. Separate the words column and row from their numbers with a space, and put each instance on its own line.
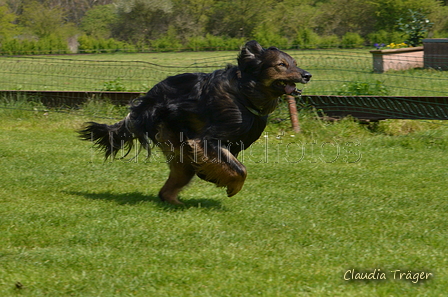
column 342, row 16
column 43, row 21
column 292, row 16
column 190, row 17
column 440, row 20
column 13, row 5
column 75, row 9
column 281, row 22
column 7, row 26
column 142, row 20
column 237, row 18
column 388, row 12
column 98, row 21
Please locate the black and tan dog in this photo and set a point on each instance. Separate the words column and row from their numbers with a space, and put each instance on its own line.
column 201, row 121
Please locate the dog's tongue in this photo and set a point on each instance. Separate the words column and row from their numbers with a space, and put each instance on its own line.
column 289, row 88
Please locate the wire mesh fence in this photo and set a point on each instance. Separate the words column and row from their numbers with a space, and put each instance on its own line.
column 340, row 79
column 65, row 74
column 335, row 72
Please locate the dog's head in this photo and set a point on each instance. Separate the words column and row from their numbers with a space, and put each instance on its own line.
column 275, row 70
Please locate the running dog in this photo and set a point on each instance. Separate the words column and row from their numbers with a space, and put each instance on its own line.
column 201, row 121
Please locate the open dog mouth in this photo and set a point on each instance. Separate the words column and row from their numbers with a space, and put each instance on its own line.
column 289, row 87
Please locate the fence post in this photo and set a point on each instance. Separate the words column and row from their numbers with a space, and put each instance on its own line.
column 292, row 106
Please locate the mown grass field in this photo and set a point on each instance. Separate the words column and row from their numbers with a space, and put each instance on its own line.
column 317, row 205
column 334, row 71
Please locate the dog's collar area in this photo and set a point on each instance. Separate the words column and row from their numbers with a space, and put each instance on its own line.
column 259, row 113
column 254, row 111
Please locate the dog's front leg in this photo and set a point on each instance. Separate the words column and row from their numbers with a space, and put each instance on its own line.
column 180, row 175
column 215, row 163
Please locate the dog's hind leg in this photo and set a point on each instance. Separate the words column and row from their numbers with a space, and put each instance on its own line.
column 180, row 175
column 215, row 163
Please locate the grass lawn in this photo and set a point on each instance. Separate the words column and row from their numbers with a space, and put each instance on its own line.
column 316, row 207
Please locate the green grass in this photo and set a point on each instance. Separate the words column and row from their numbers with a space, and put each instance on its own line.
column 333, row 72
column 336, row 197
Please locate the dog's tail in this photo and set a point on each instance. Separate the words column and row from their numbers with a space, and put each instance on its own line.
column 112, row 138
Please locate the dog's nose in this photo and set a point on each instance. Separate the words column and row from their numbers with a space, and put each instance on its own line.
column 306, row 76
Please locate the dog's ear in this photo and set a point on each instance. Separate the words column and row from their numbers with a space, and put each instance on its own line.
column 251, row 49
column 250, row 55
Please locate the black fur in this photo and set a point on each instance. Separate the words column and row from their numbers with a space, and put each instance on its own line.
column 203, row 120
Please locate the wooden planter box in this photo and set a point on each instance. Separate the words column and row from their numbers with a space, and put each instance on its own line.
column 397, row 59
column 436, row 53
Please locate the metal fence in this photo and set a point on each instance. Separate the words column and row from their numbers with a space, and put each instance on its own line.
column 68, row 74
column 343, row 81
column 361, row 107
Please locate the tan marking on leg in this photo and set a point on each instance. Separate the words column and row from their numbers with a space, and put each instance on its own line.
column 219, row 167
column 180, row 176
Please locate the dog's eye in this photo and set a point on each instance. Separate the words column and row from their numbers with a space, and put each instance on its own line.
column 282, row 64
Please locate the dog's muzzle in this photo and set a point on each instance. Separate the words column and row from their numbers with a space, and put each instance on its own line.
column 306, row 77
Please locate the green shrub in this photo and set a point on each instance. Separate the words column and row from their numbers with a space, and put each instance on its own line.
column 8, row 46
column 196, row 43
column 52, row 45
column 141, row 46
column 357, row 88
column 267, row 36
column 234, row 43
column 85, row 44
column 20, row 105
column 307, row 39
column 47, row 45
column 329, row 41
column 90, row 45
column 167, row 42
column 440, row 34
column 385, row 37
column 101, row 106
column 213, row 43
column 401, row 127
column 415, row 26
column 352, row 40
column 379, row 37
column 273, row 40
column 114, row 86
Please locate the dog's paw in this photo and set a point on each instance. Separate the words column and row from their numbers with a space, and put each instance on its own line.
column 175, row 202
column 234, row 188
column 170, row 199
